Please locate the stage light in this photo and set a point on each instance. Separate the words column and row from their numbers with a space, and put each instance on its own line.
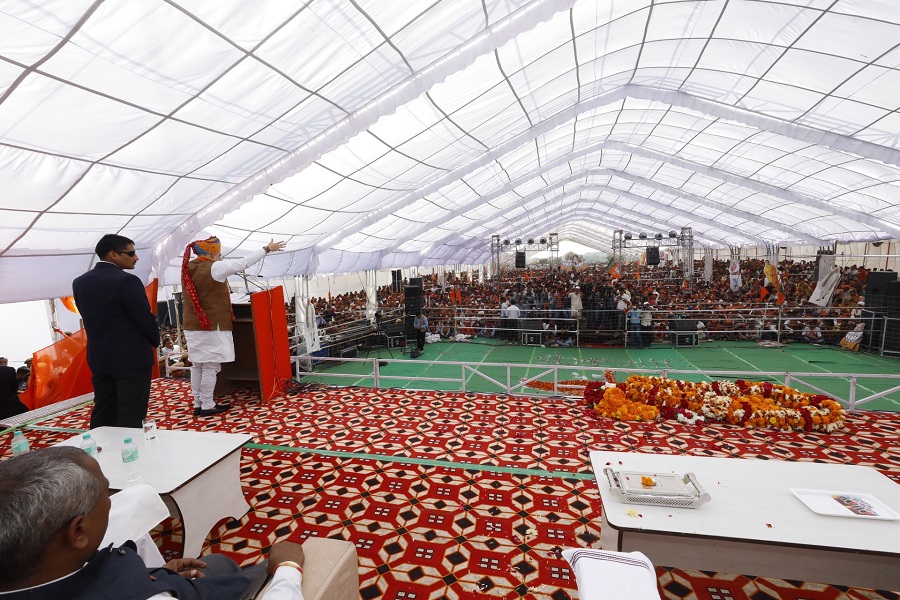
column 518, row 241
column 506, row 242
column 643, row 236
column 672, row 234
column 658, row 236
column 627, row 236
column 530, row 240
column 543, row 240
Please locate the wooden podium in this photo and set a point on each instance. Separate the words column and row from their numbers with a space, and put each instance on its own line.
column 261, row 349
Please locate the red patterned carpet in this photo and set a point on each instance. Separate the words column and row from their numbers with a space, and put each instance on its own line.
column 451, row 495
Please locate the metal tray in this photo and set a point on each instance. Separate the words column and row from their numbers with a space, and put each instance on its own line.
column 669, row 489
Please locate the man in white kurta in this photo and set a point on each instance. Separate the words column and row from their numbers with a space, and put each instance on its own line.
column 207, row 315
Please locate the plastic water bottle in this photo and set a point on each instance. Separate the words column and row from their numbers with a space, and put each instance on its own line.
column 19, row 443
column 130, row 458
column 89, row 445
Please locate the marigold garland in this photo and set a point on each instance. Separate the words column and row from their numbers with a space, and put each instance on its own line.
column 751, row 404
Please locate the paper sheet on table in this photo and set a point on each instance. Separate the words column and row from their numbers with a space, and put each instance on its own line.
column 134, row 512
column 602, row 575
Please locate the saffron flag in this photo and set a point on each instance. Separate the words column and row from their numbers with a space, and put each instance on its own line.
column 69, row 303
column 613, row 268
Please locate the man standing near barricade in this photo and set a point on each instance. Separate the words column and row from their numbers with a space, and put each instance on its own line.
column 122, row 334
column 512, row 321
column 207, row 315
column 647, row 324
column 420, row 324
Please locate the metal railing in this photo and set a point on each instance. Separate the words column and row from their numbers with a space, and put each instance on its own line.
column 750, row 322
column 515, row 377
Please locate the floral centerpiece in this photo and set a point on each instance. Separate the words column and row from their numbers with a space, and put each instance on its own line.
column 751, row 404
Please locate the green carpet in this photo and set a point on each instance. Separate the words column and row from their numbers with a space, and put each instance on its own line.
column 439, row 362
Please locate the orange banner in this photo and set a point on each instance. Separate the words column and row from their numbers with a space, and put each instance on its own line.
column 60, row 371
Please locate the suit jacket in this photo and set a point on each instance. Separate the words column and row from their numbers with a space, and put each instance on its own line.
column 10, row 405
column 122, row 332
column 120, row 574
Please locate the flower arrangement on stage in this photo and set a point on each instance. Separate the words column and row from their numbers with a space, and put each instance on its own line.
column 752, row 404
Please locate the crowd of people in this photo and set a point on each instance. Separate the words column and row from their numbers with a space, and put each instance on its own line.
column 637, row 304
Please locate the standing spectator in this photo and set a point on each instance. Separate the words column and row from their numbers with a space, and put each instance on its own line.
column 647, row 324
column 504, row 317
column 420, row 324
column 513, row 313
column 23, row 374
column 207, row 315
column 623, row 301
column 122, row 334
column 575, row 301
column 634, row 326
column 10, row 405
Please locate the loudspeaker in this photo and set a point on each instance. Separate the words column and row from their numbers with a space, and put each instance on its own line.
column 413, row 299
column 396, row 280
column 652, row 255
column 893, row 299
column 415, row 282
column 877, row 283
column 520, row 259
column 685, row 325
column 892, row 335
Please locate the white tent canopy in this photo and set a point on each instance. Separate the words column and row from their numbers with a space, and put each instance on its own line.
column 387, row 133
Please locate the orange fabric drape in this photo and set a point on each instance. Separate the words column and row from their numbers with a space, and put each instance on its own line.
column 152, row 290
column 60, row 371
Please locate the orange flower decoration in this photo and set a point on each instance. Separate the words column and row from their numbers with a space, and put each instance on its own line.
column 751, row 404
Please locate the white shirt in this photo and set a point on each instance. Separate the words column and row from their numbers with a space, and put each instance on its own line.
column 576, row 300
column 217, row 346
column 512, row 312
column 285, row 585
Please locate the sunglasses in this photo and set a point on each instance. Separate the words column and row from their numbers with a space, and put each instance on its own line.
column 130, row 253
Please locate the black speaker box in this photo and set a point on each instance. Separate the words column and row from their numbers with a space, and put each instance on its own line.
column 520, row 259
column 685, row 325
column 877, row 283
column 892, row 335
column 652, row 255
column 893, row 299
column 414, row 300
column 415, row 282
column 396, row 280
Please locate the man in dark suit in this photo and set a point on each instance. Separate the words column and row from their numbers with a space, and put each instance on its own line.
column 10, row 405
column 122, row 334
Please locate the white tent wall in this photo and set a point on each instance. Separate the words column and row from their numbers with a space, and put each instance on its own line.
column 379, row 135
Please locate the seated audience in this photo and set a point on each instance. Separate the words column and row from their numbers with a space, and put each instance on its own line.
column 812, row 333
column 853, row 338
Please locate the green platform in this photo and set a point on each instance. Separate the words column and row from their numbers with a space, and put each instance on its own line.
column 589, row 363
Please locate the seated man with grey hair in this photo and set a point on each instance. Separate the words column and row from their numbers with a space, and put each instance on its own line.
column 54, row 507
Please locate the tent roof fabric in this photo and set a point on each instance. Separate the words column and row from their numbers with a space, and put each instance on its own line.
column 372, row 134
